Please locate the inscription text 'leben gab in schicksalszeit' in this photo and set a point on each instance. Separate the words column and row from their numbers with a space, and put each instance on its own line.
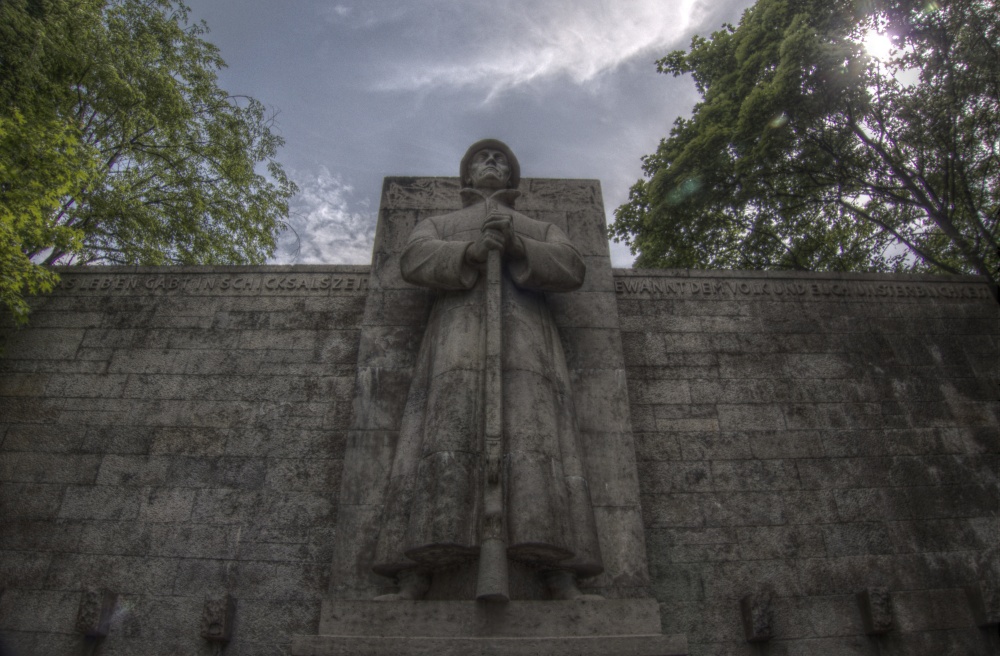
column 787, row 289
column 217, row 284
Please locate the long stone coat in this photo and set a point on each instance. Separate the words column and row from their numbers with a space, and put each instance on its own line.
column 433, row 507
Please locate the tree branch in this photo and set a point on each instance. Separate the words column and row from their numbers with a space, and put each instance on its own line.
column 927, row 257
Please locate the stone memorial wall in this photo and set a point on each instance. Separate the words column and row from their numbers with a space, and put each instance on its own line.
column 814, row 457
column 803, row 438
column 173, row 435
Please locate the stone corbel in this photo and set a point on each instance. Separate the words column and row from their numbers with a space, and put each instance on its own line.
column 217, row 619
column 93, row 619
column 984, row 598
column 757, row 611
column 876, row 610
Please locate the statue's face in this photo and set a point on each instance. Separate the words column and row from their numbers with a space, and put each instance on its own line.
column 489, row 169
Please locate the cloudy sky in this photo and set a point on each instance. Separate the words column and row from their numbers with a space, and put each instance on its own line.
column 369, row 88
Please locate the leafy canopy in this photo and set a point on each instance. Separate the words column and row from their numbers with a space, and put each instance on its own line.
column 117, row 145
column 805, row 152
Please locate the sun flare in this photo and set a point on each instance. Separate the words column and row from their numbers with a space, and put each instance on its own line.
column 878, row 45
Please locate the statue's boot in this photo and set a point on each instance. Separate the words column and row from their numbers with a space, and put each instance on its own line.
column 562, row 586
column 413, row 585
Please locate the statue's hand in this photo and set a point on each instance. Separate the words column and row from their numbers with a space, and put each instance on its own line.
column 502, row 223
column 492, row 238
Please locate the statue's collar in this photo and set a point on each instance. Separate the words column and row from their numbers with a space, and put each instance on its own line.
column 472, row 196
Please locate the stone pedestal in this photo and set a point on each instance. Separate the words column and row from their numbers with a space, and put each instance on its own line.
column 620, row 627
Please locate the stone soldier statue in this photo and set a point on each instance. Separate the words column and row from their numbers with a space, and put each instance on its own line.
column 434, row 514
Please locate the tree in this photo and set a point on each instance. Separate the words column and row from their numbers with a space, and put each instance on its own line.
column 42, row 163
column 807, row 153
column 117, row 145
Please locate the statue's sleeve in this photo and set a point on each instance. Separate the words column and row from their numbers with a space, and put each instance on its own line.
column 551, row 265
column 430, row 261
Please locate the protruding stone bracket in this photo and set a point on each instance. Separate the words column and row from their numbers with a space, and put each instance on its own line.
column 93, row 619
column 876, row 610
column 757, row 610
column 217, row 619
column 984, row 598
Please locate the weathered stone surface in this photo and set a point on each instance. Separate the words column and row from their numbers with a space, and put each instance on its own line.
column 39, row 611
column 651, row 645
column 627, row 627
column 468, row 618
column 809, row 435
column 185, row 446
column 174, row 439
column 23, row 569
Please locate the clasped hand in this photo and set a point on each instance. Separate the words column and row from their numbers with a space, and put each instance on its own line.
column 497, row 235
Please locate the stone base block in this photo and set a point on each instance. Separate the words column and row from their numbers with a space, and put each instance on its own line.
column 613, row 627
column 621, row 645
column 515, row 619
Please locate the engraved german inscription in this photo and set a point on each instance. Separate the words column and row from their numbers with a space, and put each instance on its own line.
column 779, row 289
column 251, row 283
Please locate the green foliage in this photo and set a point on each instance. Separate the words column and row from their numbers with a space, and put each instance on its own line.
column 142, row 158
column 807, row 153
column 42, row 164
